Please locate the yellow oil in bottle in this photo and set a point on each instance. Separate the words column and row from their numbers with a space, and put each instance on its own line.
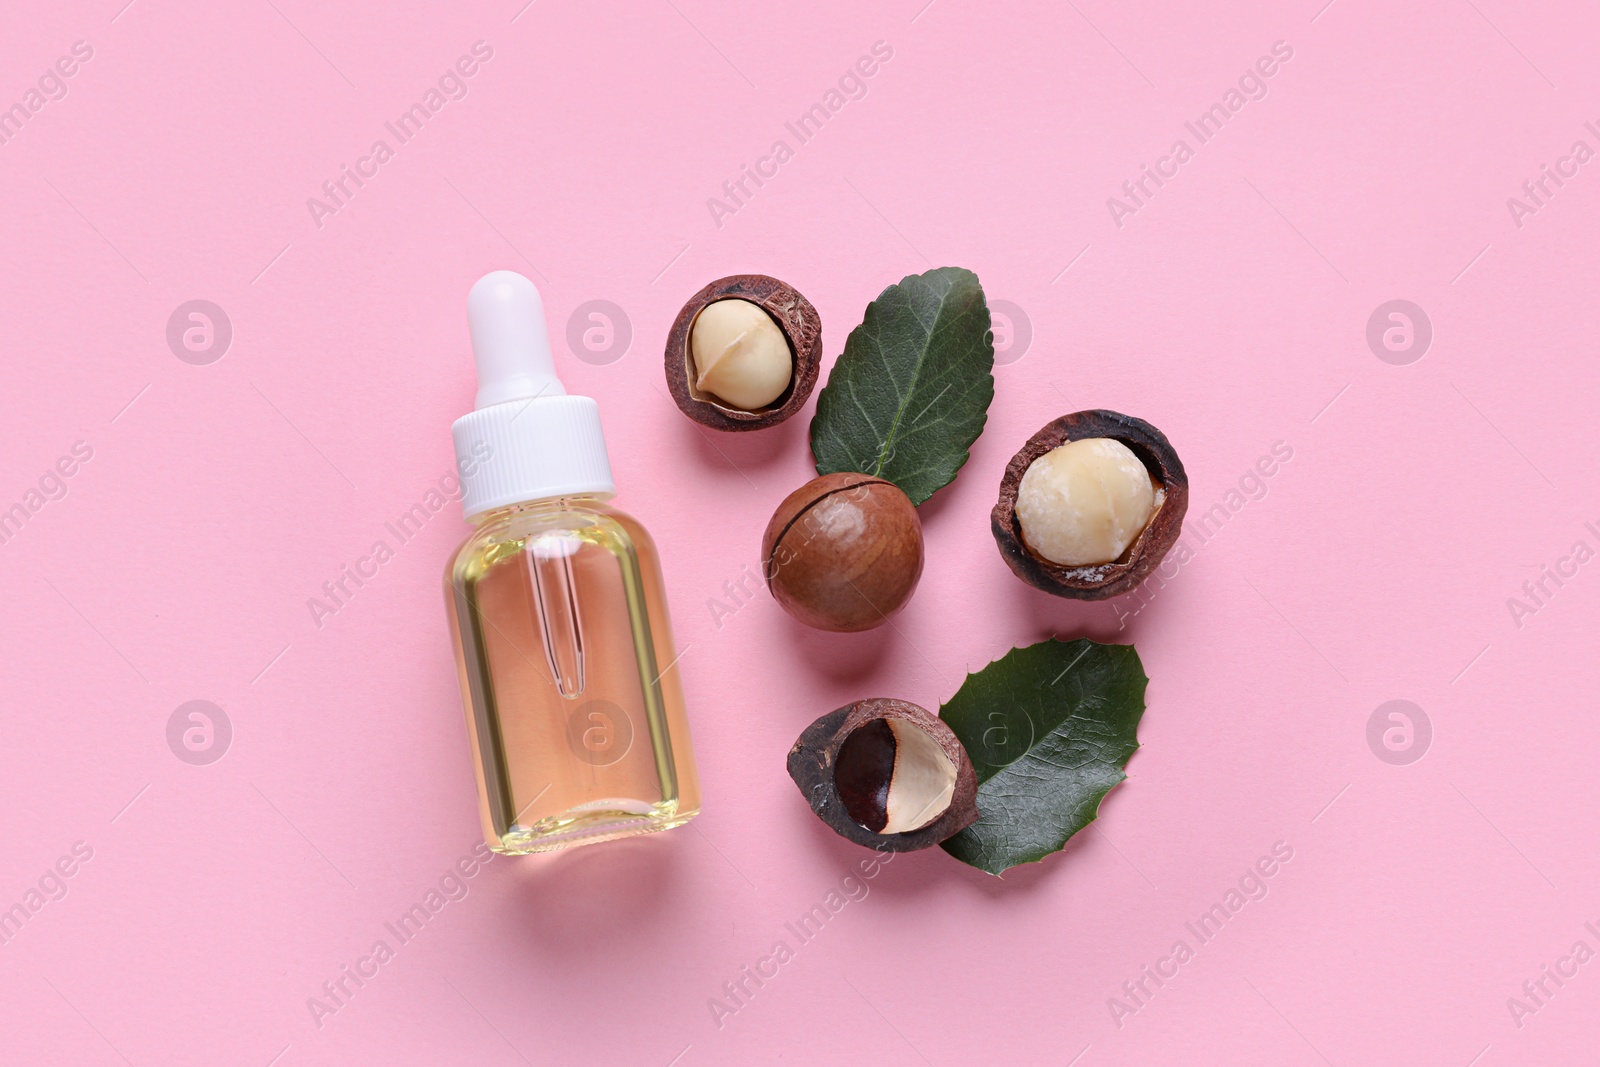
column 569, row 677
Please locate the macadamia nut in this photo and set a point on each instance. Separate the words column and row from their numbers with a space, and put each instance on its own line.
column 886, row 774
column 740, row 354
column 1085, row 502
column 843, row 552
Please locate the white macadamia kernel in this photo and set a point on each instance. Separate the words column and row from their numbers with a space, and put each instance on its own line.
column 923, row 780
column 1084, row 503
column 740, row 355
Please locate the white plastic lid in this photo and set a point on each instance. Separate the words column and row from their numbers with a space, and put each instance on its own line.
column 528, row 440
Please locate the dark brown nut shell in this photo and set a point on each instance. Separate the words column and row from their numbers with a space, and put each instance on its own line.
column 801, row 326
column 814, row 763
column 1105, row 580
column 843, row 552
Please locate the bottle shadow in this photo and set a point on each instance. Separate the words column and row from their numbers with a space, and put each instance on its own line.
column 590, row 899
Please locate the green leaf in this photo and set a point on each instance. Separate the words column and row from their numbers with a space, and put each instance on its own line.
column 911, row 391
column 1049, row 728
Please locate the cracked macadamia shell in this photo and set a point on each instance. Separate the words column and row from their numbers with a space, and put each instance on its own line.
column 886, row 774
column 751, row 378
column 1017, row 514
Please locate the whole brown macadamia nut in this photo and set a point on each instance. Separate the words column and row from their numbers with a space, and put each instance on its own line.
column 843, row 552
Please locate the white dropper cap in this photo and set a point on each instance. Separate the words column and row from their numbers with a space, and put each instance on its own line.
column 509, row 340
column 528, row 440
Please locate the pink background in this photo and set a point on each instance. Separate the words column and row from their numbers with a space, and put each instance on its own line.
column 1230, row 310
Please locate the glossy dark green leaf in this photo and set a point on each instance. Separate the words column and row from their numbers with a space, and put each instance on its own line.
column 1049, row 729
column 911, row 391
